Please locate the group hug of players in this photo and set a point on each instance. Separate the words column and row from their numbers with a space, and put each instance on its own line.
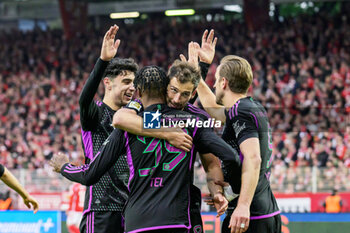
column 141, row 180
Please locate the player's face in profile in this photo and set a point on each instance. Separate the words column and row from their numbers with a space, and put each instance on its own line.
column 219, row 93
column 123, row 88
column 178, row 94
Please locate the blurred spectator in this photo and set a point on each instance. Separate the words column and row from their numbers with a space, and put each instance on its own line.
column 333, row 203
column 5, row 201
column 76, row 207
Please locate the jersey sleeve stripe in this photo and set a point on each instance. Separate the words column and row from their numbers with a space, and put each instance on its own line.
column 72, row 167
column 194, row 133
column 98, row 103
column 87, row 141
column 256, row 120
column 129, row 159
column 232, row 111
column 241, row 156
column 237, row 107
column 76, row 170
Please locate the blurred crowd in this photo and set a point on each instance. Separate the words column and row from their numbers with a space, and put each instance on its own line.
column 301, row 75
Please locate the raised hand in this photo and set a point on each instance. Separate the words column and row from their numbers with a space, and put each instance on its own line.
column 109, row 46
column 193, row 49
column 207, row 49
column 57, row 161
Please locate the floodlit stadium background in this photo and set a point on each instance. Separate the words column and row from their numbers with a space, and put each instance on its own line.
column 299, row 52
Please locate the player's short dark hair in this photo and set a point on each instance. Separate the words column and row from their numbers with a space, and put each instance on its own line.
column 119, row 66
column 185, row 72
column 152, row 79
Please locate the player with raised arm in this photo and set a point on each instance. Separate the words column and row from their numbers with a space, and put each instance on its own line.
column 8, row 178
column 104, row 200
column 160, row 175
column 247, row 129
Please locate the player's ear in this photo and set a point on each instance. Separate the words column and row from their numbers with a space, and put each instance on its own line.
column 137, row 94
column 224, row 83
column 107, row 83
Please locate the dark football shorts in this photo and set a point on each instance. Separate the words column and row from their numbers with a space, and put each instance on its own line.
column 102, row 222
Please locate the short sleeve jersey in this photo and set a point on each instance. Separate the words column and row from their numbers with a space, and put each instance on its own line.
column 248, row 119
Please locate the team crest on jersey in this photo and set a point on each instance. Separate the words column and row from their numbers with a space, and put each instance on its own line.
column 151, row 120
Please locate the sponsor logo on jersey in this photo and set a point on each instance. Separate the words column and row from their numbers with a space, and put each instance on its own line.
column 238, row 128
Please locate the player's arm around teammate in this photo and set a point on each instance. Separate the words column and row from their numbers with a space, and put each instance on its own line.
column 179, row 100
column 212, row 168
column 10, row 180
column 127, row 119
column 91, row 173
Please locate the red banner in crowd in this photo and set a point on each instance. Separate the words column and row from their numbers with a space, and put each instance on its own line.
column 308, row 202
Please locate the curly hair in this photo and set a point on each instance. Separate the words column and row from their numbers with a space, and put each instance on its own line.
column 152, row 79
